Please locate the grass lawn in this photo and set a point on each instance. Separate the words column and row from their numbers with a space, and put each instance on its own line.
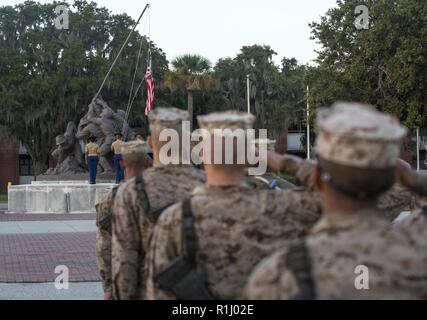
column 3, row 197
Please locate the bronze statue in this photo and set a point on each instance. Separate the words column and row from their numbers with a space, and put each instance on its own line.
column 101, row 122
column 68, row 153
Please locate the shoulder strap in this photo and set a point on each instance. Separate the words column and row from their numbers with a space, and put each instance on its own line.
column 424, row 211
column 299, row 262
column 142, row 194
column 154, row 215
column 181, row 277
column 114, row 192
column 151, row 213
column 188, row 232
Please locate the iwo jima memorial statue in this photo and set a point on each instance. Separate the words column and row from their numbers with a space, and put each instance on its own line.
column 65, row 188
column 101, row 122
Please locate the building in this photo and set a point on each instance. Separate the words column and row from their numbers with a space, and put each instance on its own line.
column 15, row 165
column 9, row 164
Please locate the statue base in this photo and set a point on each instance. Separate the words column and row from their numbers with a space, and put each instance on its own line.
column 56, row 197
column 101, row 178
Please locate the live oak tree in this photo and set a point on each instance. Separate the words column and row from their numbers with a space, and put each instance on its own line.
column 277, row 92
column 385, row 65
column 49, row 76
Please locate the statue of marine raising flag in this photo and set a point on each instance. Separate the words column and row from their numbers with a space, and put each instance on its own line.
column 103, row 124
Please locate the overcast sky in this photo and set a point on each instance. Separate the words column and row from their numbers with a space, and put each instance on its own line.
column 219, row 28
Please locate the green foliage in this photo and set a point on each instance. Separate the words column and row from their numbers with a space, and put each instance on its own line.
column 384, row 65
column 191, row 73
column 277, row 92
column 49, row 76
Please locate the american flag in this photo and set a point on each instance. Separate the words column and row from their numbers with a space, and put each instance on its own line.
column 150, row 91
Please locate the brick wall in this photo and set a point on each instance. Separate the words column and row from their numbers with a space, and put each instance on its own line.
column 9, row 164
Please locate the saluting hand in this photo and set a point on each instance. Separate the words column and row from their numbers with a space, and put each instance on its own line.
column 404, row 174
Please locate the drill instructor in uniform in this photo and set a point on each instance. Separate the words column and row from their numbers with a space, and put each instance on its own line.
column 116, row 148
column 92, row 158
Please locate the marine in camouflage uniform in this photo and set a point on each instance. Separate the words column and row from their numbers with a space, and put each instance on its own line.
column 416, row 219
column 103, row 241
column 223, row 229
column 140, row 201
column 104, row 213
column 358, row 150
column 269, row 180
column 401, row 197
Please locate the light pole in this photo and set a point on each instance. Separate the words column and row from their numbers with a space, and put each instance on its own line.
column 418, row 149
column 308, row 125
column 248, row 83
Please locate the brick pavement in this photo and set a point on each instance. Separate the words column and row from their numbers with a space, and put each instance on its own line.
column 32, row 258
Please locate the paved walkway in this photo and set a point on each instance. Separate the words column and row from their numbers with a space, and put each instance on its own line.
column 37, row 227
column 47, row 291
column 46, row 217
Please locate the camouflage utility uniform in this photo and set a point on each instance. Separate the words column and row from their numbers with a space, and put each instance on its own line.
column 103, row 239
column 353, row 254
column 221, row 232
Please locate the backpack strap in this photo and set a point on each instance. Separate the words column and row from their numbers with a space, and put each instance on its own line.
column 114, row 191
column 152, row 214
column 105, row 222
column 299, row 262
column 181, row 276
column 142, row 194
column 188, row 232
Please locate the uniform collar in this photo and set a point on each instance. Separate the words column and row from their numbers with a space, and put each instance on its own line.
column 365, row 218
column 167, row 166
column 209, row 189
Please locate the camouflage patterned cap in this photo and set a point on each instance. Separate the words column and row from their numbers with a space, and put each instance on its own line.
column 226, row 120
column 133, row 147
column 168, row 117
column 357, row 135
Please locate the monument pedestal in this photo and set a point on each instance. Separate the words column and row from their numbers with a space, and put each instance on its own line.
column 56, row 197
column 101, row 178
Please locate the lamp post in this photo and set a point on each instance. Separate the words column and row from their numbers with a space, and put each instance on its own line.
column 418, row 149
column 308, row 126
column 248, row 83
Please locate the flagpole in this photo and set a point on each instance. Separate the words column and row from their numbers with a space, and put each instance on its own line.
column 120, row 52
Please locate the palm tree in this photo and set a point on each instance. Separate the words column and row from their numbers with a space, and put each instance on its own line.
column 191, row 73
